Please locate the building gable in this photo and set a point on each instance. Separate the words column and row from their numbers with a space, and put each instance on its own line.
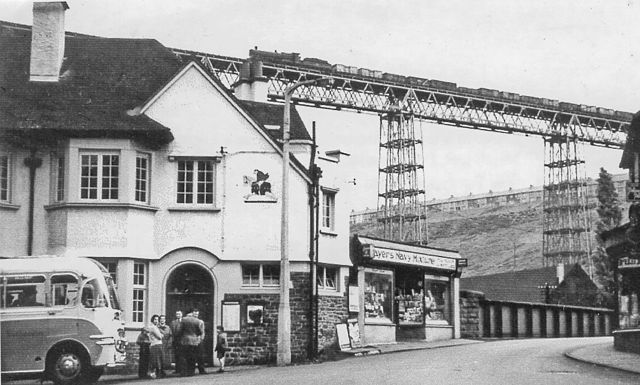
column 204, row 117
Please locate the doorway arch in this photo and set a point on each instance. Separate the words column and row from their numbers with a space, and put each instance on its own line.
column 190, row 285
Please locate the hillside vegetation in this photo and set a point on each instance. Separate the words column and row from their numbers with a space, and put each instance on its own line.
column 494, row 240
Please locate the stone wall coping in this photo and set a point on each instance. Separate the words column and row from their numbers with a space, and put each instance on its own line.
column 548, row 305
column 626, row 331
column 472, row 292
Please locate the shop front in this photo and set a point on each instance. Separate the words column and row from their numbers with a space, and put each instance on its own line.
column 403, row 291
column 629, row 270
column 622, row 245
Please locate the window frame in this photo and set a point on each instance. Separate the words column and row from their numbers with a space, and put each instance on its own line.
column 262, row 281
column 112, row 268
column 321, row 277
column 100, row 188
column 328, row 209
column 59, row 166
column 6, row 181
column 138, row 308
column 194, row 184
column 146, row 180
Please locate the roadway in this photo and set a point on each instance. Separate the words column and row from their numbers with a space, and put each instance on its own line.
column 521, row 361
column 528, row 361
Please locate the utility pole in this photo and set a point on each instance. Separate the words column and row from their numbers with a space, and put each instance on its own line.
column 284, row 307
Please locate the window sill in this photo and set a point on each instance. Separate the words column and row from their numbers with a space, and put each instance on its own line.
column 90, row 205
column 8, row 206
column 369, row 321
column 328, row 232
column 437, row 324
column 194, row 208
column 329, row 293
column 260, row 288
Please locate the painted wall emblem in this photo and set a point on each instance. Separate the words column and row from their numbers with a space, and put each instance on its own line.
column 260, row 187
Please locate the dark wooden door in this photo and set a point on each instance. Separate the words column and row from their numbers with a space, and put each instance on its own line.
column 191, row 286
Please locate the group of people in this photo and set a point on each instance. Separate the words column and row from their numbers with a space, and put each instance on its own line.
column 181, row 342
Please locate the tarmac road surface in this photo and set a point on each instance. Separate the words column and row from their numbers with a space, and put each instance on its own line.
column 527, row 361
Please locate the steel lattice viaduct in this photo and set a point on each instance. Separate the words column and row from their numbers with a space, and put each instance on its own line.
column 399, row 100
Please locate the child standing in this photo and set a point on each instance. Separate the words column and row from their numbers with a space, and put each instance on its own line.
column 221, row 347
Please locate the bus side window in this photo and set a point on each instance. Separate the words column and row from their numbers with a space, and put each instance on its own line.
column 64, row 289
column 92, row 295
column 25, row 291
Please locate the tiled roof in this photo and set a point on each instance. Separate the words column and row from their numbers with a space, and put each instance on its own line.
column 519, row 286
column 272, row 115
column 101, row 79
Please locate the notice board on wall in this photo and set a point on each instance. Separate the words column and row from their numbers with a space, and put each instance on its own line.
column 231, row 316
column 354, row 299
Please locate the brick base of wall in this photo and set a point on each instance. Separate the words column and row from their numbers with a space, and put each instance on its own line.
column 332, row 310
column 257, row 344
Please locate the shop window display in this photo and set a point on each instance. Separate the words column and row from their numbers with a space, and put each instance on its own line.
column 378, row 295
column 410, row 308
column 437, row 302
column 629, row 313
column 409, row 297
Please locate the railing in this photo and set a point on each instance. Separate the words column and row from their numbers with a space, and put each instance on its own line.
column 482, row 318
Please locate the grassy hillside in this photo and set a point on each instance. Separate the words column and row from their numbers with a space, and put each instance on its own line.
column 494, row 240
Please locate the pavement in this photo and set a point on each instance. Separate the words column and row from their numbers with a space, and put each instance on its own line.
column 605, row 355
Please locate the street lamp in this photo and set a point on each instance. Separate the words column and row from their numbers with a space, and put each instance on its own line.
column 284, row 309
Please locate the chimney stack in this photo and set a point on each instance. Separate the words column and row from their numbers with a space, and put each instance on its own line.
column 252, row 84
column 47, row 41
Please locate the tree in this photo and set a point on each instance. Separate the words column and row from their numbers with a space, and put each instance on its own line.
column 609, row 216
column 609, row 211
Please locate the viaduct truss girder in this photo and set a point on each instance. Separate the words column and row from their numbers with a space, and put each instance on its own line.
column 449, row 107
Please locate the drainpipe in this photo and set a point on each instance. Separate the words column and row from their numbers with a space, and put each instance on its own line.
column 316, row 188
column 223, row 207
column 33, row 163
column 313, row 308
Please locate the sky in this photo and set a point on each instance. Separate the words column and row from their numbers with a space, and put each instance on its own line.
column 583, row 52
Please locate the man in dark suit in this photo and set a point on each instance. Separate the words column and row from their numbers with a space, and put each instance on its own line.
column 177, row 348
column 189, row 331
column 200, row 356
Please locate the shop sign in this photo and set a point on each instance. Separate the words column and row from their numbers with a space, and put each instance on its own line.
column 627, row 263
column 409, row 258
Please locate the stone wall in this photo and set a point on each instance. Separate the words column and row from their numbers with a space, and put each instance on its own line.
column 333, row 310
column 627, row 340
column 257, row 344
column 300, row 316
column 470, row 313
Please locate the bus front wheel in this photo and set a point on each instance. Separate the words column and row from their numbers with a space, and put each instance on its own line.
column 68, row 365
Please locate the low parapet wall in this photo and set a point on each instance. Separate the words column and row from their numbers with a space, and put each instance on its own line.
column 627, row 340
column 483, row 318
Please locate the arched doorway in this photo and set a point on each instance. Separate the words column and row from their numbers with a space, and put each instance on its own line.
column 191, row 286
